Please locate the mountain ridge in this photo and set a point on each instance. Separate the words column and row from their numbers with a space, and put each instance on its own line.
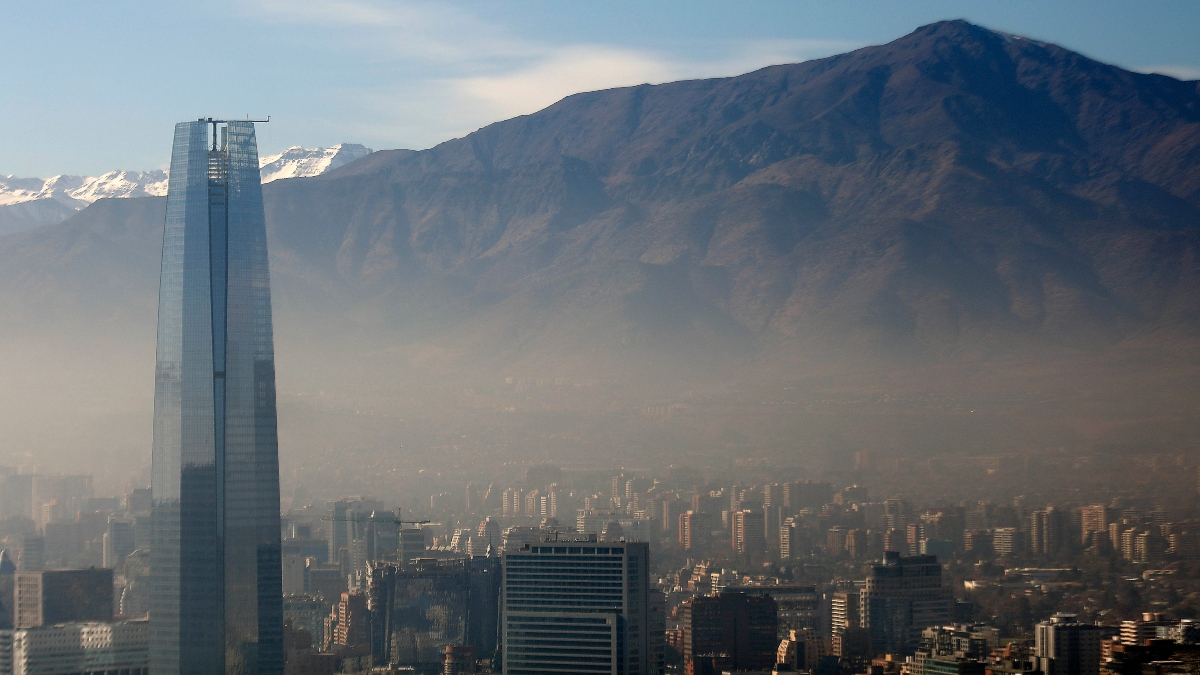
column 26, row 203
column 957, row 210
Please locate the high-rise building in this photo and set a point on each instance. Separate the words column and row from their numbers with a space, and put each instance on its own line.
column 1064, row 646
column 1093, row 522
column 1045, row 531
column 902, row 597
column 796, row 607
column 844, row 612
column 350, row 621
column 412, row 545
column 695, row 528
column 353, row 526
column 62, row 596
column 1005, row 542
column 118, row 542
column 489, row 534
column 215, row 600
column 748, row 532
column 577, row 607
column 417, row 611
column 8, row 573
column 730, row 631
column 307, row 613
column 801, row 649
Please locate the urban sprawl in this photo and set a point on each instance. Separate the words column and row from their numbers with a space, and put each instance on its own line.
column 563, row 572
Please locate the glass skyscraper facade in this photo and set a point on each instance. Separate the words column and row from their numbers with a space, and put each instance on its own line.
column 216, row 596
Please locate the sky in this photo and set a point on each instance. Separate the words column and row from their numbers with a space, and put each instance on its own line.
column 87, row 87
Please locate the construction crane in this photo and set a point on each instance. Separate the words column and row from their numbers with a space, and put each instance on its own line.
column 397, row 520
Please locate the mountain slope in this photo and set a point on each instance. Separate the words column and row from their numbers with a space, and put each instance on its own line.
column 954, row 185
column 959, row 213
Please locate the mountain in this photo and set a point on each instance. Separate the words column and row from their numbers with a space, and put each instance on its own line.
column 962, row 241
column 298, row 162
column 26, row 203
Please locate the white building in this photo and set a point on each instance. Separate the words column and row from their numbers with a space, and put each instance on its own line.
column 121, row 648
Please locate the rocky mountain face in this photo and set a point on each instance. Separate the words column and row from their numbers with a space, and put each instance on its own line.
column 960, row 215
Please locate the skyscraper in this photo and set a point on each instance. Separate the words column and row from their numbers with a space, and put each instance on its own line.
column 902, row 597
column 577, row 607
column 216, row 597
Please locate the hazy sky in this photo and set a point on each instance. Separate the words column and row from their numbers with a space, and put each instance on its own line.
column 90, row 86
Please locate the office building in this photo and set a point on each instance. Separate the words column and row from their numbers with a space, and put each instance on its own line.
column 411, row 545
column 807, row 494
column 901, row 597
column 16, row 493
column 1138, row 631
column 419, row 609
column 215, row 598
column 1064, row 646
column 307, row 613
column 32, row 553
column 120, row 648
column 849, row 638
column 730, row 631
column 119, row 541
column 8, row 573
column 360, row 530
column 60, row 596
column 577, row 607
column 796, row 607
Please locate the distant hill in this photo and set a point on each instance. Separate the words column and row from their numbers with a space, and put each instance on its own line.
column 957, row 215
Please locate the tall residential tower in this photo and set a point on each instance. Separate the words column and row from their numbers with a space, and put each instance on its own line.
column 216, row 596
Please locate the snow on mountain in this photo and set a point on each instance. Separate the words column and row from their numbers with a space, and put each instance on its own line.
column 26, row 203
column 79, row 191
column 298, row 162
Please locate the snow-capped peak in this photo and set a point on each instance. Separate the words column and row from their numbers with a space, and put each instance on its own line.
column 79, row 191
column 30, row 202
column 298, row 162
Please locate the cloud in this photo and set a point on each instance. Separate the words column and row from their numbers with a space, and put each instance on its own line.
column 1179, row 72
column 565, row 71
column 446, row 72
column 562, row 73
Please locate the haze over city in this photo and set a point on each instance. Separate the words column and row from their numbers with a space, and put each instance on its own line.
column 800, row 297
